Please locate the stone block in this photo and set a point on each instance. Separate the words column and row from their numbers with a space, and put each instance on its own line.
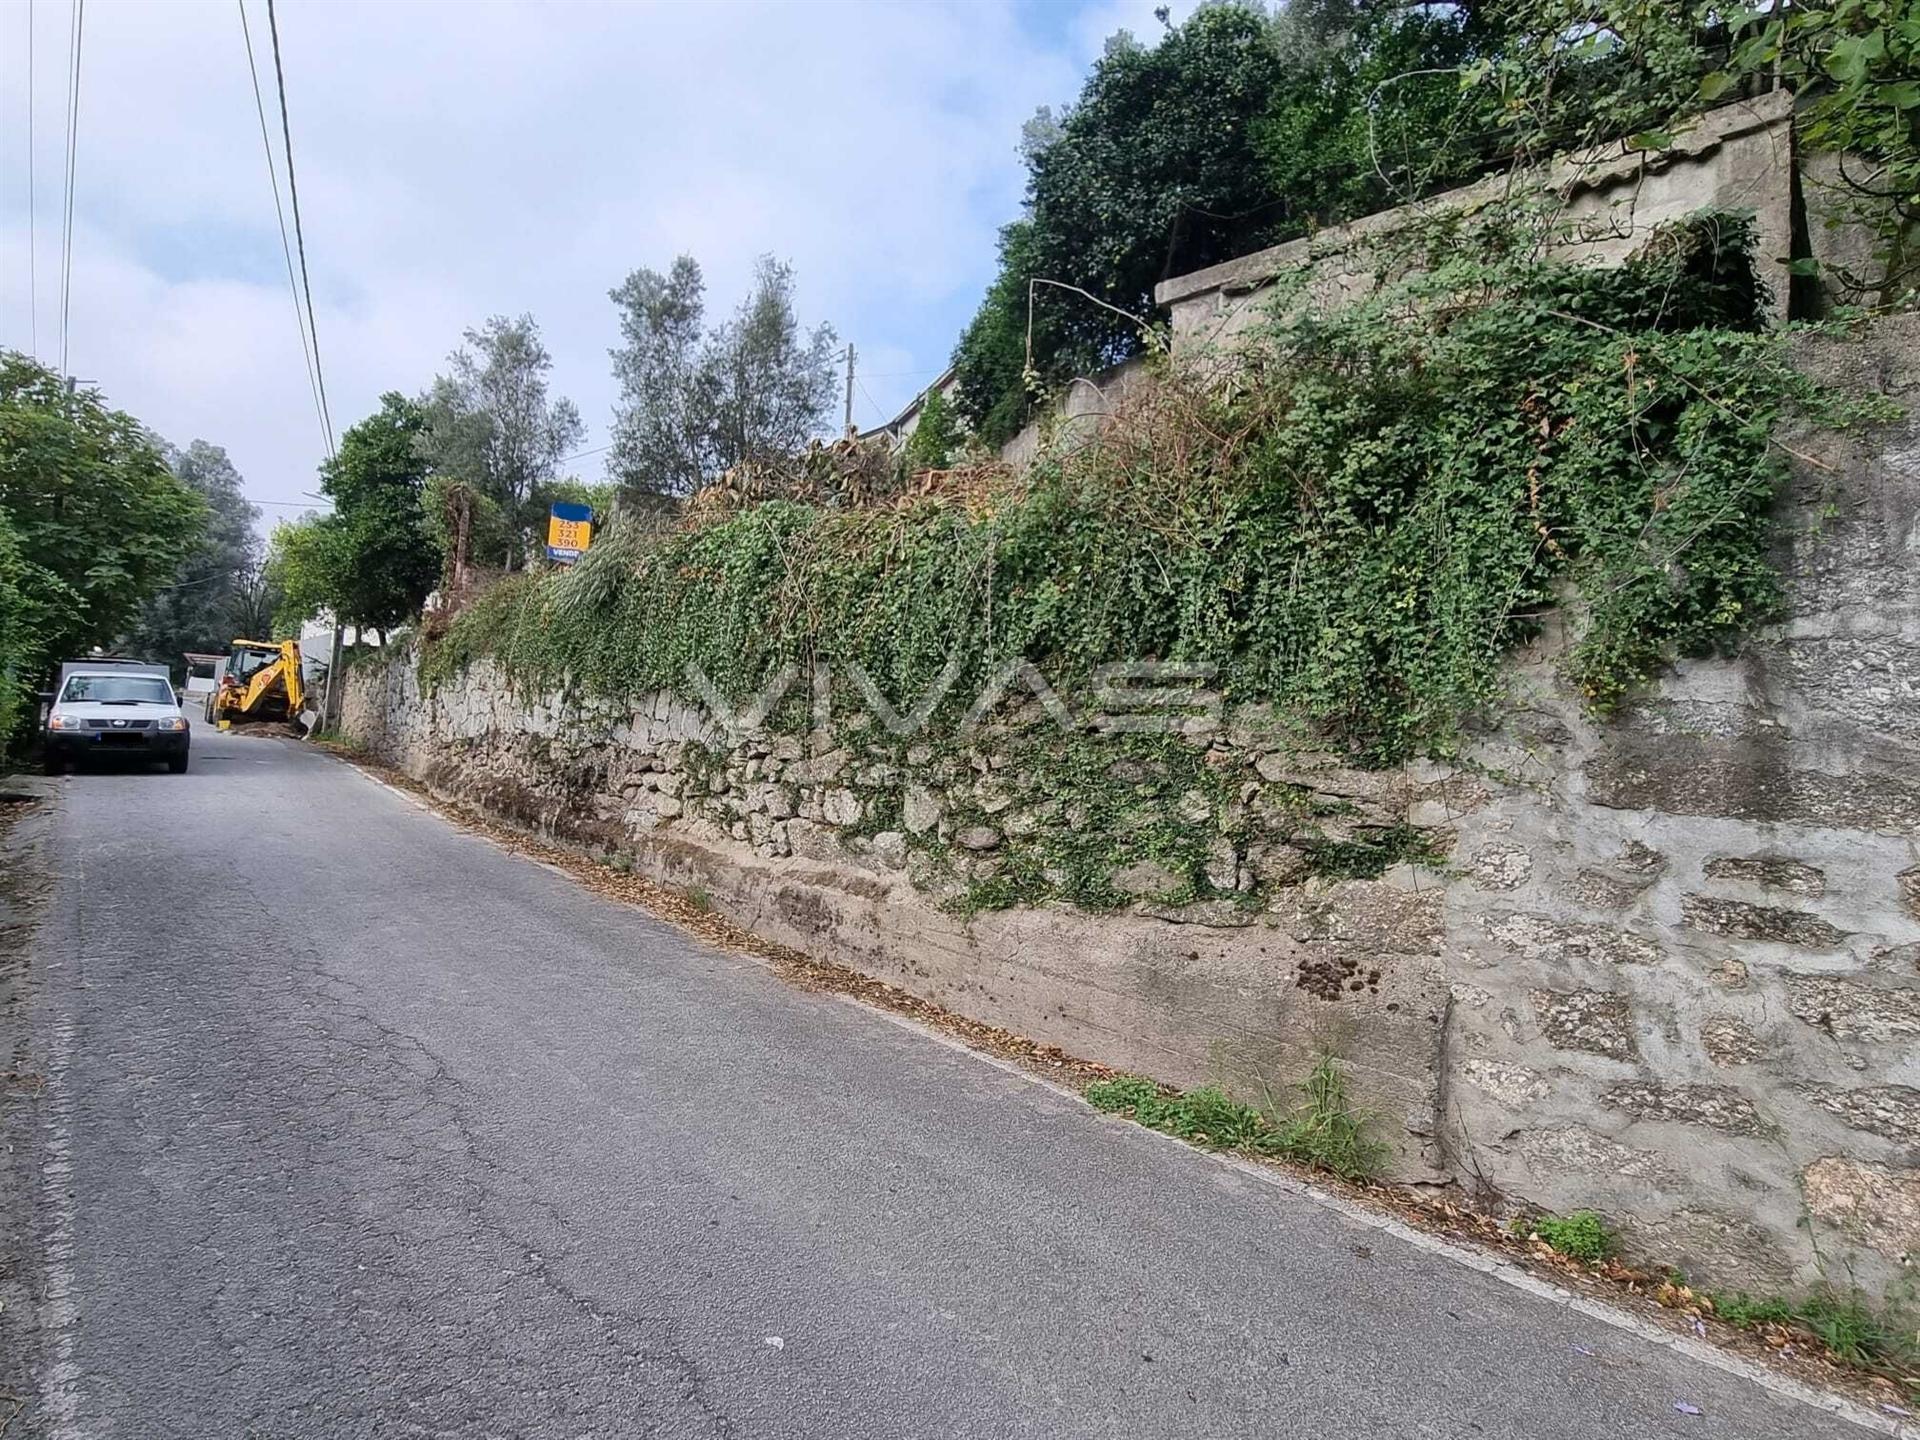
column 1719, row 1107
column 1145, row 879
column 1223, row 864
column 1738, row 920
column 1512, row 1085
column 1596, row 1021
column 1773, row 872
column 978, row 838
column 1576, row 1150
column 1601, row 890
column 1876, row 1204
column 920, row 809
column 1541, row 939
column 1500, row 866
column 840, row 807
column 1909, row 885
column 1756, row 776
column 1277, row 865
column 1729, row 1042
column 1853, row 1010
column 1889, row 1111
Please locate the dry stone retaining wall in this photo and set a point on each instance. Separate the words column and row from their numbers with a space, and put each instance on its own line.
column 1665, row 965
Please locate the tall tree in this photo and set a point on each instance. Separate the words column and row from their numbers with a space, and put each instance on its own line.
column 755, row 388
column 660, row 444
column 374, row 560
column 491, row 423
column 771, row 386
column 1233, row 130
column 98, row 521
column 196, row 611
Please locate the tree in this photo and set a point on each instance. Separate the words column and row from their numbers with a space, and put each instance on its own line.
column 98, row 522
column 196, row 612
column 380, row 536
column 659, row 422
column 255, row 601
column 374, row 560
column 754, row 389
column 935, row 435
column 1151, row 173
column 305, row 569
column 20, row 598
column 771, row 387
column 1235, row 130
column 492, row 424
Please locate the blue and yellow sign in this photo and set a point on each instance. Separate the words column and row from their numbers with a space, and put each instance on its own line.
column 569, row 531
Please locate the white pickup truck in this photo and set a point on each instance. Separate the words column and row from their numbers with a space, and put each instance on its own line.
column 114, row 709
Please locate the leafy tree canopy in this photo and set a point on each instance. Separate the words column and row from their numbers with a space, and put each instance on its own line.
column 1242, row 127
column 96, row 522
column 694, row 405
column 491, row 424
column 198, row 611
column 374, row 560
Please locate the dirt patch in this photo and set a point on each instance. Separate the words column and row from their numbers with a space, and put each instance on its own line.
column 1648, row 1294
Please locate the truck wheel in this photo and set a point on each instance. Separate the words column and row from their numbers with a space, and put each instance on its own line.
column 177, row 764
column 52, row 764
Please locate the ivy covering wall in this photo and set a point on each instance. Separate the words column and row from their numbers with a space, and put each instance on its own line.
column 1358, row 530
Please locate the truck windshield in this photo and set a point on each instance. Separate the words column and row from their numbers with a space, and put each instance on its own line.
column 117, row 689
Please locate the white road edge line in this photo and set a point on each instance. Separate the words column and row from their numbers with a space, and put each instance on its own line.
column 1472, row 1258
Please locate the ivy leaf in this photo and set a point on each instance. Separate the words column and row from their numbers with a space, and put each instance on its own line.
column 1902, row 94
column 1714, row 85
column 1650, row 140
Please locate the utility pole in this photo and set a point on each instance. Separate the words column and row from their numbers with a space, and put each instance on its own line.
column 849, row 389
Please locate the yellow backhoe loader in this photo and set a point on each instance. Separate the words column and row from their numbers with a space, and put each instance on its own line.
column 262, row 681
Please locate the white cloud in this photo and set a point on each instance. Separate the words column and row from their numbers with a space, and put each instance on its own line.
column 460, row 160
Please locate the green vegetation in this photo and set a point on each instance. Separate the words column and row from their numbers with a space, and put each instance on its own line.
column 1852, row 1332
column 1358, row 533
column 1239, row 128
column 1581, row 1236
column 1322, row 1132
column 206, row 604
column 936, row 435
column 92, row 524
column 373, row 560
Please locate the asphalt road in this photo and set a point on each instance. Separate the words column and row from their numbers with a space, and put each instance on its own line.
column 356, row 1125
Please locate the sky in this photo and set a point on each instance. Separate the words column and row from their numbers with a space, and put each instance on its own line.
column 458, row 160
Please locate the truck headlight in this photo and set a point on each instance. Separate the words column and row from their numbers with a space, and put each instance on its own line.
column 172, row 722
column 63, row 722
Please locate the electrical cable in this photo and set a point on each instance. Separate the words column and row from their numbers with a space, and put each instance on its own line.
column 286, row 246
column 76, row 37
column 33, row 262
column 299, row 233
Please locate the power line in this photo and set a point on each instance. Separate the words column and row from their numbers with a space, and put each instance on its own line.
column 33, row 263
column 76, row 35
column 286, row 247
column 299, row 234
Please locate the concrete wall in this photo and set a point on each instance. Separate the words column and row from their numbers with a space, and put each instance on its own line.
column 1737, row 158
column 1669, row 966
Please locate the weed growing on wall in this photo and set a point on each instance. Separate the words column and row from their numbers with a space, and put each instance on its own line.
column 1358, row 528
